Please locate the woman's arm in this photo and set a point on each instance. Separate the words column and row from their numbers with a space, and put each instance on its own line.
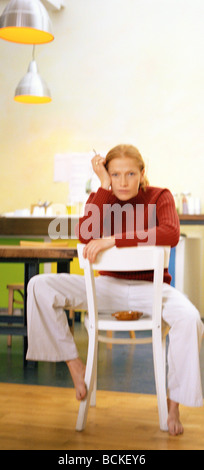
column 94, row 247
column 90, row 226
column 167, row 230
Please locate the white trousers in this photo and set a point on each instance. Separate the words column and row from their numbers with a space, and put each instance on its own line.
column 50, row 339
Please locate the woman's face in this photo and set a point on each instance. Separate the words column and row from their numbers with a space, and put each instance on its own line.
column 125, row 177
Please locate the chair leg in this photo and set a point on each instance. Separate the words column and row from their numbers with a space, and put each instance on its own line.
column 93, row 393
column 109, row 334
column 90, row 375
column 10, row 312
column 72, row 317
column 132, row 334
column 159, row 357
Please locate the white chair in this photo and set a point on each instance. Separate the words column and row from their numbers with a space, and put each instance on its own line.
column 125, row 259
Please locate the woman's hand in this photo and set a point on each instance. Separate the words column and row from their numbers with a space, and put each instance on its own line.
column 98, row 164
column 94, row 247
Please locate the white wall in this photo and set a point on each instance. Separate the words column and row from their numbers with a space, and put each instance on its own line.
column 119, row 71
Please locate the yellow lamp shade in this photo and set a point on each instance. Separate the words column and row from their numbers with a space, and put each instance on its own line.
column 26, row 22
column 31, row 99
column 32, row 88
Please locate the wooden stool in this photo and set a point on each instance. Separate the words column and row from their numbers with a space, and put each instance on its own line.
column 11, row 300
column 110, row 335
column 72, row 318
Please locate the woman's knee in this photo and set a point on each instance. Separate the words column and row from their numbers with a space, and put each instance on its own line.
column 195, row 318
column 37, row 284
column 179, row 309
column 192, row 322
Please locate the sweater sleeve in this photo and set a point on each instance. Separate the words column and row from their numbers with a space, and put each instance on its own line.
column 167, row 230
column 90, row 226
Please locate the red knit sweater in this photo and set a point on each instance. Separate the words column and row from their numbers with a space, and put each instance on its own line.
column 166, row 232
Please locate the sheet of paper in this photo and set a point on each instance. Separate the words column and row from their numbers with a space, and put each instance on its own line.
column 76, row 169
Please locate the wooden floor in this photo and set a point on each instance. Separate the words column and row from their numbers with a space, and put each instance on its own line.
column 44, row 418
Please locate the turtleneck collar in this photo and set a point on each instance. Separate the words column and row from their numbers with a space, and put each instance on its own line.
column 138, row 199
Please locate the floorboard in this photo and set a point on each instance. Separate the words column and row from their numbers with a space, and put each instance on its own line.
column 43, row 418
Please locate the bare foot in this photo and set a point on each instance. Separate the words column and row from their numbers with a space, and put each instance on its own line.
column 77, row 371
column 174, row 425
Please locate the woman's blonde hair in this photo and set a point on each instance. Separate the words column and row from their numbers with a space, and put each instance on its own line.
column 121, row 151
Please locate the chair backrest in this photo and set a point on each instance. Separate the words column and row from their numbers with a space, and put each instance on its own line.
column 142, row 258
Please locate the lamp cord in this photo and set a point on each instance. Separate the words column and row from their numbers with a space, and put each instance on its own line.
column 33, row 55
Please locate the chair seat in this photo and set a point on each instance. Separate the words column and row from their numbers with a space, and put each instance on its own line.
column 107, row 322
column 15, row 286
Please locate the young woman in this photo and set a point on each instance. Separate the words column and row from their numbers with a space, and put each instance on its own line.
column 123, row 186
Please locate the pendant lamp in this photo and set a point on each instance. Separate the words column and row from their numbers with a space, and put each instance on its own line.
column 26, row 22
column 32, row 88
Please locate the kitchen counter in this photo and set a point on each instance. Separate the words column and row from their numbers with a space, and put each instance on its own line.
column 38, row 226
column 34, row 226
column 188, row 219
